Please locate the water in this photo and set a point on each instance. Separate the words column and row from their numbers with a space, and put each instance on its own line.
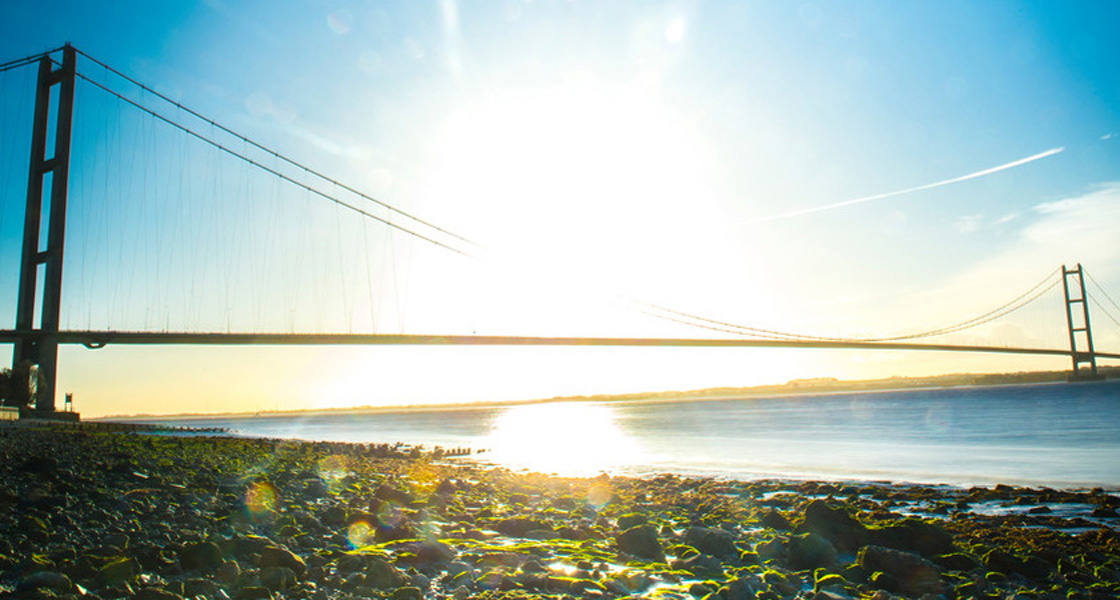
column 1058, row 435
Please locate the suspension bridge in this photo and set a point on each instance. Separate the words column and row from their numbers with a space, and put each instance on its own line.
column 39, row 327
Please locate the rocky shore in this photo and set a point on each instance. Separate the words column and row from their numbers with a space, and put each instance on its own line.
column 97, row 515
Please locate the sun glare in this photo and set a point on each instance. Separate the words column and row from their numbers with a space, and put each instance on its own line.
column 566, row 438
column 581, row 181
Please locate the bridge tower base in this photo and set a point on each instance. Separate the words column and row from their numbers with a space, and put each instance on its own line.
column 38, row 346
column 1080, row 331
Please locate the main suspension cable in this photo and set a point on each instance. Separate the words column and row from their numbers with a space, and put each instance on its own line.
column 276, row 154
column 27, row 60
column 270, row 170
column 1005, row 309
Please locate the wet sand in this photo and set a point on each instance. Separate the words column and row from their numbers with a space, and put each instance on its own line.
column 93, row 514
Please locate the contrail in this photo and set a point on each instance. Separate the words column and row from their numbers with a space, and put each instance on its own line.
column 928, row 186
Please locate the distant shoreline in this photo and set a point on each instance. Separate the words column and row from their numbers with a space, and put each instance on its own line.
column 796, row 387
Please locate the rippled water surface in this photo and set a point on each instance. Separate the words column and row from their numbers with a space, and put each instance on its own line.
column 1062, row 435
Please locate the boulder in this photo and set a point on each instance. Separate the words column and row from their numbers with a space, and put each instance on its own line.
column 519, row 526
column 641, row 541
column 275, row 556
column 50, row 580
column 382, row 575
column 407, row 593
column 716, row 542
column 773, row 519
column 913, row 535
column 810, row 551
column 629, row 520
column 910, row 573
column 200, row 556
column 277, row 578
column 771, row 549
column 845, row 533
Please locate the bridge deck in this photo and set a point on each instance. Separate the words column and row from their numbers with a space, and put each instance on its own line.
column 97, row 339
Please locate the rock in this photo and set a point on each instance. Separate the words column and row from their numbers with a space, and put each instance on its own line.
column 446, row 487
column 845, row 533
column 155, row 593
column 244, row 545
column 275, row 556
column 50, row 580
column 914, row 574
column 434, row 552
column 737, row 589
column 407, row 593
column 832, row 594
column 1004, row 562
column 200, row 556
column 716, row 542
column 229, row 571
column 957, row 562
column 780, row 583
column 39, row 465
column 277, row 578
column 700, row 589
column 641, row 541
column 200, row 587
column 881, row 580
column 912, row 535
column 629, row 520
column 390, row 493
column 382, row 575
column 586, row 588
column 830, row 582
column 519, row 526
column 119, row 570
column 333, row 516
column 254, row 592
column 810, row 551
column 700, row 565
column 771, row 549
column 773, row 519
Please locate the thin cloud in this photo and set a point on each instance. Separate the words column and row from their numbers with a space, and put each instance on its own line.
column 928, row 186
column 968, row 223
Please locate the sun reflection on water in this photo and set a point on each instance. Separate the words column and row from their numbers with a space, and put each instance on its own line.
column 575, row 439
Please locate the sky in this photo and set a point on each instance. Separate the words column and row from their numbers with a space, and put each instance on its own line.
column 831, row 168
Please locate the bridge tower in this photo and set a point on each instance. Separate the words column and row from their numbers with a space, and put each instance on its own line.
column 39, row 342
column 1080, row 331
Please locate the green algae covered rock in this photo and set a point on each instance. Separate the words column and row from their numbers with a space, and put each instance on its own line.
column 275, row 556
column 629, row 520
column 913, row 574
column 202, row 556
column 641, row 541
column 810, row 551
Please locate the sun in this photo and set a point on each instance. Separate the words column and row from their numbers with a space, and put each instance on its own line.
column 580, row 184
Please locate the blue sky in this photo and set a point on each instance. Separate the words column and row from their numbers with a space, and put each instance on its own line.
column 681, row 153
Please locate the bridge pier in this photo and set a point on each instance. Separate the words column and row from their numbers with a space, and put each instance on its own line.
column 39, row 347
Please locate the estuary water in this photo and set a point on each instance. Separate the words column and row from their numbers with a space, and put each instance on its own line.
column 1058, row 435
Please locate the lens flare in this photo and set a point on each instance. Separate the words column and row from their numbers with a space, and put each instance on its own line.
column 332, row 470
column 599, row 494
column 359, row 534
column 390, row 515
column 261, row 500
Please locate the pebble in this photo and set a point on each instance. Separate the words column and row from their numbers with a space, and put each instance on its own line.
column 160, row 518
